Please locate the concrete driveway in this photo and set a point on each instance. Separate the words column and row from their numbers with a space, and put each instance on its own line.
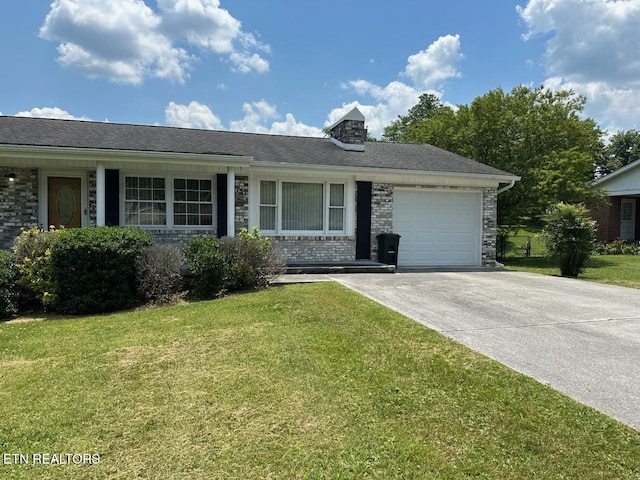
column 580, row 338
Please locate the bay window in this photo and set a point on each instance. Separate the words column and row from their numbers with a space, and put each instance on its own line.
column 302, row 207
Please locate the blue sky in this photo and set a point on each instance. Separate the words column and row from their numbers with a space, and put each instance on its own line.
column 294, row 66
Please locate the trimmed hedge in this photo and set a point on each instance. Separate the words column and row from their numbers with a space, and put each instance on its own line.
column 94, row 268
column 207, row 263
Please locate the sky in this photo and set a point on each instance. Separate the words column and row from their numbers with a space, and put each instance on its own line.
column 292, row 67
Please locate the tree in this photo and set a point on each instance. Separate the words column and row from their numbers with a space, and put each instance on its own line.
column 535, row 133
column 623, row 149
column 428, row 107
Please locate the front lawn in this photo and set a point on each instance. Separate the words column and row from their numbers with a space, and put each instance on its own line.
column 622, row 270
column 303, row 381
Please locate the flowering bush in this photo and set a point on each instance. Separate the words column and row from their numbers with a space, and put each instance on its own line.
column 569, row 236
column 617, row 247
column 32, row 256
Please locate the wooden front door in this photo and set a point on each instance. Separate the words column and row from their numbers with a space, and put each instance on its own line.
column 64, row 202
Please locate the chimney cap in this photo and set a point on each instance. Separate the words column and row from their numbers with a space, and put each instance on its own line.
column 354, row 115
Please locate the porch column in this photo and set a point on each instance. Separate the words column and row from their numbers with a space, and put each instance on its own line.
column 231, row 202
column 101, row 193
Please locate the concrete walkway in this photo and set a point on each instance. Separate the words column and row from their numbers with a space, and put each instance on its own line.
column 580, row 338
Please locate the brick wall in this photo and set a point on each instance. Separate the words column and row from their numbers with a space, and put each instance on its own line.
column 381, row 213
column 18, row 203
column 178, row 237
column 489, row 226
column 607, row 217
column 316, row 249
column 242, row 203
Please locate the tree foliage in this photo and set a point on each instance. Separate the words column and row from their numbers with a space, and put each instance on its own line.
column 623, row 149
column 535, row 133
column 428, row 107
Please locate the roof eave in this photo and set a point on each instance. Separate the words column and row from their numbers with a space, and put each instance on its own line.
column 94, row 155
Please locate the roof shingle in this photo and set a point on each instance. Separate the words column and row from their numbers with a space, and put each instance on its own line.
column 275, row 149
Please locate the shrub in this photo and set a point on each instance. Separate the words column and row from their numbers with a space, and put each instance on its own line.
column 617, row 247
column 8, row 291
column 207, row 263
column 94, row 268
column 32, row 257
column 569, row 236
column 246, row 261
column 159, row 273
column 252, row 261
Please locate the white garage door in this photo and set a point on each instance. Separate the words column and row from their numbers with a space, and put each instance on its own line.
column 437, row 228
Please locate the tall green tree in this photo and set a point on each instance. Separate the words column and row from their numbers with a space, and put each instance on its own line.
column 535, row 133
column 428, row 107
column 623, row 149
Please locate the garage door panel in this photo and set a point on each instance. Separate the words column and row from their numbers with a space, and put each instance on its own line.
column 437, row 228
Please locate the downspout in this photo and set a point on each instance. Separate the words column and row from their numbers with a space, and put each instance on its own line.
column 508, row 187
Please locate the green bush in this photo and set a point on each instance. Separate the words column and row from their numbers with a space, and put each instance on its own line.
column 246, row 261
column 94, row 268
column 569, row 235
column 252, row 261
column 617, row 247
column 159, row 273
column 32, row 257
column 8, row 291
column 207, row 263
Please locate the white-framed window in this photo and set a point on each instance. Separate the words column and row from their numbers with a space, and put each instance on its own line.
column 192, row 202
column 168, row 201
column 302, row 207
column 145, row 201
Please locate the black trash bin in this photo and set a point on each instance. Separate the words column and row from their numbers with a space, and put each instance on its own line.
column 388, row 244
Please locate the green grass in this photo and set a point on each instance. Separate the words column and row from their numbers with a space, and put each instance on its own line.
column 303, row 381
column 622, row 270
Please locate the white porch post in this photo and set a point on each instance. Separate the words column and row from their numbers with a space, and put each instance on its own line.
column 101, row 193
column 231, row 203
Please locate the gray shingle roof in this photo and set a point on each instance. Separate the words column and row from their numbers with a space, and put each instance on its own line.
column 280, row 149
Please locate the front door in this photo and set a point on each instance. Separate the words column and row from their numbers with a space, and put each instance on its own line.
column 628, row 219
column 64, row 202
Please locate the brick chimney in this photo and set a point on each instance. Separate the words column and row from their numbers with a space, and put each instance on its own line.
column 349, row 132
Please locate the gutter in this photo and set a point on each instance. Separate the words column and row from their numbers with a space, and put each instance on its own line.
column 508, row 187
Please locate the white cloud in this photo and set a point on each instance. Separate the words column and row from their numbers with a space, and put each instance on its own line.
column 194, row 115
column 438, row 63
column 427, row 72
column 49, row 112
column 126, row 41
column 259, row 117
column 592, row 48
column 244, row 62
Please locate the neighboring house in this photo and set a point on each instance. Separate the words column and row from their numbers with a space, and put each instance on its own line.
column 619, row 218
column 320, row 200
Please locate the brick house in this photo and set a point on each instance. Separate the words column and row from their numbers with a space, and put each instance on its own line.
column 619, row 218
column 320, row 200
